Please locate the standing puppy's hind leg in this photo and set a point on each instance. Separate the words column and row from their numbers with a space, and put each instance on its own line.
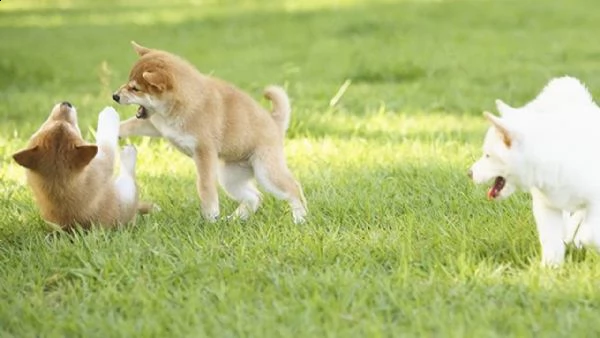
column 273, row 174
column 236, row 179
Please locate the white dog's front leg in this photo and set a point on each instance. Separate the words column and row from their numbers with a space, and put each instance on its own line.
column 574, row 231
column 590, row 227
column 550, row 230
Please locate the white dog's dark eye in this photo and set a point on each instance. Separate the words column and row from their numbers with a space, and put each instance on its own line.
column 487, row 155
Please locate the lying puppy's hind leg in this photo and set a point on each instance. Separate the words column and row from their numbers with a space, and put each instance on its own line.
column 125, row 184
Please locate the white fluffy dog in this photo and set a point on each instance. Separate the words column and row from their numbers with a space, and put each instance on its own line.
column 549, row 147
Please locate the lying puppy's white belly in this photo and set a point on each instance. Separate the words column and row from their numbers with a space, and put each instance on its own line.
column 174, row 134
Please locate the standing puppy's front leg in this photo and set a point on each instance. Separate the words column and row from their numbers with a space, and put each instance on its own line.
column 207, row 162
column 550, row 230
column 138, row 127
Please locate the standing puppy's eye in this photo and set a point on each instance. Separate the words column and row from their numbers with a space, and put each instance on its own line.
column 135, row 89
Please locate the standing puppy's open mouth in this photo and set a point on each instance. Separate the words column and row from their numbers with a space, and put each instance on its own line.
column 496, row 188
column 142, row 113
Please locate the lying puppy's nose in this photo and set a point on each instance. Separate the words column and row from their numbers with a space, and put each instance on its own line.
column 67, row 104
column 116, row 97
column 470, row 173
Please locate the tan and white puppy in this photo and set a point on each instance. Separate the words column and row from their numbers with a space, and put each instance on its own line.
column 230, row 137
column 72, row 180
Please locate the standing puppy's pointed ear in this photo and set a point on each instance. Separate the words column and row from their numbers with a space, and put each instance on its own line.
column 500, row 126
column 83, row 155
column 504, row 108
column 28, row 158
column 140, row 50
column 158, row 79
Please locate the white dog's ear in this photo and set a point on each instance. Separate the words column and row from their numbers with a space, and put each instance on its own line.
column 503, row 108
column 501, row 127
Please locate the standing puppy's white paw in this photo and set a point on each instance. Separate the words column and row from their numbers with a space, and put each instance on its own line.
column 299, row 215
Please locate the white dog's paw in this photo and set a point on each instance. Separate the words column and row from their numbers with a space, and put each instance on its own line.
column 128, row 158
column 553, row 258
column 108, row 124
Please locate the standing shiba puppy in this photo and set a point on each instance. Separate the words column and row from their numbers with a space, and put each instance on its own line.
column 72, row 181
column 548, row 148
column 230, row 137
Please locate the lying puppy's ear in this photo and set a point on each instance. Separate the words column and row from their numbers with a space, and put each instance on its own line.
column 500, row 126
column 83, row 155
column 28, row 158
column 158, row 79
column 504, row 108
column 140, row 50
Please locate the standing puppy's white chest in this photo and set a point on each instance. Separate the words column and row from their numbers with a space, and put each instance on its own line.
column 173, row 131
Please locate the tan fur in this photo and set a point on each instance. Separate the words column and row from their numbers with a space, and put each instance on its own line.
column 502, row 131
column 70, row 184
column 213, row 122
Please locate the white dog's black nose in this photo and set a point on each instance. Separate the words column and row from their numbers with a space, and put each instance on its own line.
column 67, row 104
column 116, row 97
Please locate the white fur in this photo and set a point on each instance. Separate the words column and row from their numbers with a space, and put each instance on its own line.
column 553, row 154
column 125, row 182
column 107, row 133
column 237, row 180
column 173, row 132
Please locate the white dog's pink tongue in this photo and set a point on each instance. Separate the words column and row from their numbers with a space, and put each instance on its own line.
column 492, row 193
column 496, row 188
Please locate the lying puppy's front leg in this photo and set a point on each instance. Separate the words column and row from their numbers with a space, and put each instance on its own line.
column 138, row 127
column 207, row 162
column 107, row 136
column 550, row 231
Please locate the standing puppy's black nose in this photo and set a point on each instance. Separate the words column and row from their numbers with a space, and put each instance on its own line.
column 116, row 98
column 66, row 103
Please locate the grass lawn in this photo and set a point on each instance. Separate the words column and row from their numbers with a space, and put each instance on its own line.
column 399, row 242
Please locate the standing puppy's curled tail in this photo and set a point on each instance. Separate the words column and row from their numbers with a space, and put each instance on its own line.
column 281, row 106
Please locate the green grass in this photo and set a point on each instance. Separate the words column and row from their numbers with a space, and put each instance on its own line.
column 399, row 242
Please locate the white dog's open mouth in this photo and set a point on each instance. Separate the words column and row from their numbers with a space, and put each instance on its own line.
column 142, row 113
column 496, row 188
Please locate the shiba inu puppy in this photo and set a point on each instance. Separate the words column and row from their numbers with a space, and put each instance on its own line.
column 72, row 180
column 547, row 148
column 230, row 137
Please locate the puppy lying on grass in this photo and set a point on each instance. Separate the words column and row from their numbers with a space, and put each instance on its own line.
column 230, row 137
column 72, row 181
